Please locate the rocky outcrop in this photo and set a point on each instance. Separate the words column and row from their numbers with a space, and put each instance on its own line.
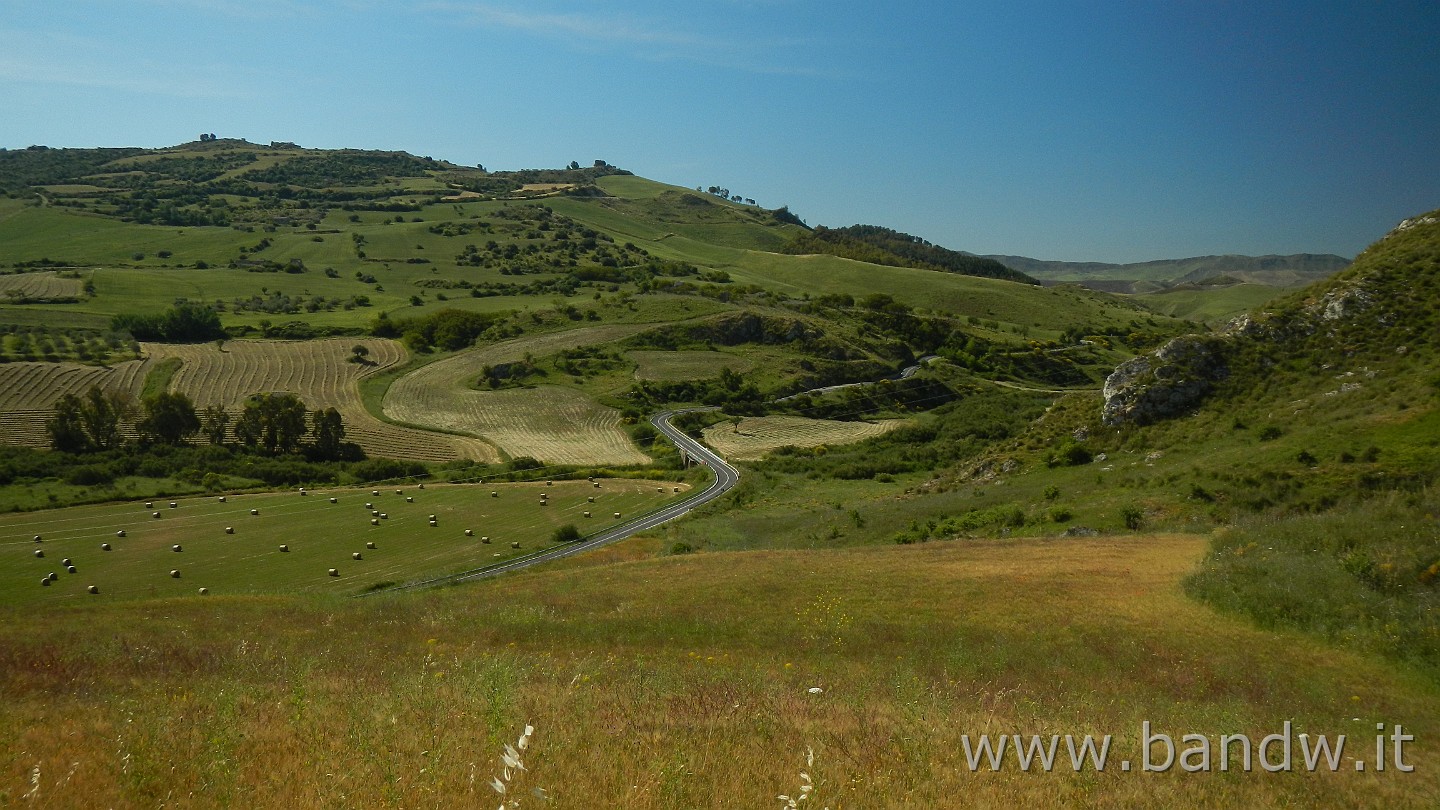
column 1169, row 381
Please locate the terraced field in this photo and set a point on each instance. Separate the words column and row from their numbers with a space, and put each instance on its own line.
column 759, row 435
column 552, row 424
column 43, row 286
column 685, row 365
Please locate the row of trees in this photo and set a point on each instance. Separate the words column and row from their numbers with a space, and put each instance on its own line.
column 272, row 423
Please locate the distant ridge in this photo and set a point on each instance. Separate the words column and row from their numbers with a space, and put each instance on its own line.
column 1295, row 270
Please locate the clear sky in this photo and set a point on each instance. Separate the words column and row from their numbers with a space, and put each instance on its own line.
column 1100, row 131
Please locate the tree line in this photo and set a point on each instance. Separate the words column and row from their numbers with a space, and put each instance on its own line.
column 273, row 424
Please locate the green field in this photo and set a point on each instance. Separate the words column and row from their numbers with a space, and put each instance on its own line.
column 320, row 535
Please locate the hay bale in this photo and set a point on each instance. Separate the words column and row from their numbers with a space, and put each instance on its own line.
column 494, row 494
column 120, row 533
column 204, row 591
column 617, row 514
column 69, row 569
column 221, row 499
column 176, row 548
column 370, row 545
column 355, row 555
column 65, row 561
column 677, row 489
column 229, row 529
column 54, row 576
column 469, row 533
column 369, row 505
column 659, row 489
column 93, row 589
column 597, row 484
column 384, row 515
column 432, row 517
column 104, row 546
column 485, row 539
column 409, row 499
column 587, row 514
column 433, row 523
column 174, row 573
column 173, row 504
column 334, row 500
column 590, row 499
column 374, row 513
column 549, row 483
column 45, row 581
column 39, row 553
column 154, row 514
column 375, row 492
column 334, row 572
column 38, row 540
column 397, row 492
column 374, row 521
column 149, row 504
column 421, row 486
column 284, row 548
column 254, row 511
column 514, row 543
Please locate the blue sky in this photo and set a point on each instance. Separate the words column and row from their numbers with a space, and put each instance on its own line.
column 1099, row 131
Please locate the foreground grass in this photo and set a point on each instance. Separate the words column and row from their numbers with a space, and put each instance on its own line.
column 687, row 682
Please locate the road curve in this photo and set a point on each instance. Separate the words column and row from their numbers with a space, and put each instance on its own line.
column 726, row 477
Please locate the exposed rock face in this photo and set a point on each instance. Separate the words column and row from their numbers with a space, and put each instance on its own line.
column 1167, row 382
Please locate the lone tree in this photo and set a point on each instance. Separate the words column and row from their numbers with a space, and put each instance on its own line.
column 359, row 353
column 275, row 422
column 169, row 419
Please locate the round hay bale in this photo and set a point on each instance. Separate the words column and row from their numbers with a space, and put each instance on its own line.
column 677, row 489
column 374, row 521
column 204, row 591
column 369, row 505
column 384, row 515
column 485, row 539
column 173, row 504
column 355, row 555
column 494, row 494
column 104, row 546
column 617, row 514
column 254, row 511
column 432, row 517
column 544, row 502
column 469, row 533
column 176, row 548
column 154, row 514
column 54, row 576
column 38, row 539
column 433, row 523
column 587, row 514
column 375, row 492
column 93, row 589
column 39, row 553
column 409, row 499
column 549, row 483
column 597, row 484
column 421, row 486
column 591, row 479
column 397, row 492
column 590, row 499
column 514, row 543
column 45, row 581
column 284, row 548
column 221, row 499
column 120, row 533
column 149, row 504
column 229, row 529
column 175, row 573
column 374, row 513
column 334, row 572
column 370, row 545
column 659, row 489
column 334, row 500
column 65, row 561
column 69, row 569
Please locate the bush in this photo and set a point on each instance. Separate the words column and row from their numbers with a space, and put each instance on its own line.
column 1132, row 516
column 566, row 534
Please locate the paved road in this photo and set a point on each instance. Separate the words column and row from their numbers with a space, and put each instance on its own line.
column 726, row 477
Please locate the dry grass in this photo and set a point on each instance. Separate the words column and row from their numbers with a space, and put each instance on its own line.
column 685, row 682
column 753, row 437
column 685, row 365
column 39, row 286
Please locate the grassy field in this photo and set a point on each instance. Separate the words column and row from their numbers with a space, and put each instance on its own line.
column 685, row 365
column 750, row 438
column 409, row 700
column 1210, row 305
column 319, row 535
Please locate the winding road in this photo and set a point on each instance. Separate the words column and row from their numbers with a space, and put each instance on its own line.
column 726, row 477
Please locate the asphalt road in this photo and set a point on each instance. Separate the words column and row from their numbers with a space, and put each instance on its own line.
column 726, row 477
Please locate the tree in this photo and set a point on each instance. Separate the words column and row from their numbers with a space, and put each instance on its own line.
column 102, row 414
column 213, row 423
column 275, row 422
column 66, row 427
column 358, row 353
column 169, row 418
column 329, row 432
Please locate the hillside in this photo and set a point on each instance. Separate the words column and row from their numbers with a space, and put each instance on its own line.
column 1276, row 271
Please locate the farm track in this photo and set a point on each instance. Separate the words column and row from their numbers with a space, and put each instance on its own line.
column 552, row 424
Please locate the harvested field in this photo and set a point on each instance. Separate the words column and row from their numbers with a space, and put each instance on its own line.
column 42, row 286
column 319, row 372
column 685, row 365
column 554, row 425
column 759, row 435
